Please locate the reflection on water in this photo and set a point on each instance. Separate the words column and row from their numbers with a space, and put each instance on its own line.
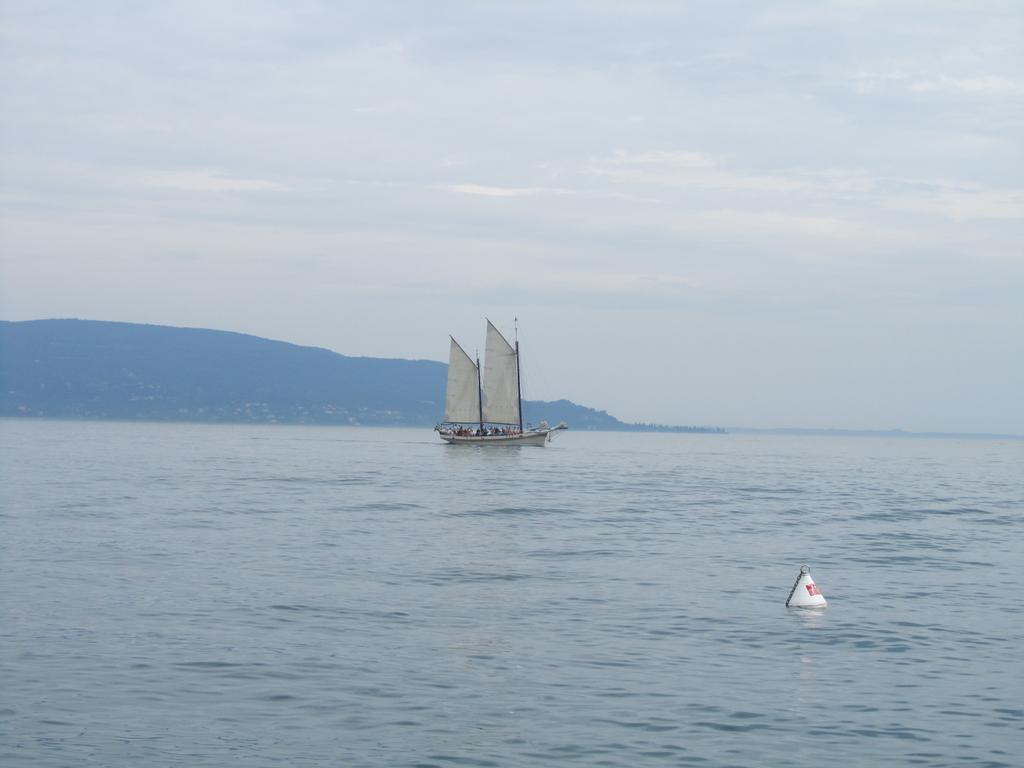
column 809, row 618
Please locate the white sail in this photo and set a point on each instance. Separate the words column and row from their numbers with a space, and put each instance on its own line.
column 462, row 398
column 501, row 379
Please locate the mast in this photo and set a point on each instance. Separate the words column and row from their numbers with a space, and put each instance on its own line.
column 519, row 388
column 519, row 382
column 479, row 393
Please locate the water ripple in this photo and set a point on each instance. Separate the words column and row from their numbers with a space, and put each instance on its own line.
column 293, row 596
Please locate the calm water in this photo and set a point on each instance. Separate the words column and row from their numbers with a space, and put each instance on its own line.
column 179, row 595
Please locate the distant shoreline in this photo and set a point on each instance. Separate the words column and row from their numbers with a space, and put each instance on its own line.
column 899, row 433
column 644, row 429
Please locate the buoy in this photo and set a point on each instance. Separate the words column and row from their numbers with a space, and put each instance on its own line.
column 805, row 593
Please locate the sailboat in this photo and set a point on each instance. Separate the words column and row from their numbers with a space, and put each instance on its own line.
column 488, row 412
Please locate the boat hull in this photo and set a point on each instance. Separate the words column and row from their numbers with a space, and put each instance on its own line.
column 526, row 438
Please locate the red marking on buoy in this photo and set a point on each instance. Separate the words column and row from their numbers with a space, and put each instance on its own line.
column 812, row 589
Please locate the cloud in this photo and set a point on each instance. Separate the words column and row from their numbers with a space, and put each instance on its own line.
column 742, row 223
column 964, row 202
column 208, row 181
column 870, row 82
column 689, row 169
column 828, row 198
column 986, row 84
column 622, row 283
column 482, row 190
column 997, row 85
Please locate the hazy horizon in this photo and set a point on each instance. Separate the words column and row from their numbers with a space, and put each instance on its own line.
column 807, row 215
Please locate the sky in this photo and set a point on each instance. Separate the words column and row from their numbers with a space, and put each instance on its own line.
column 793, row 214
